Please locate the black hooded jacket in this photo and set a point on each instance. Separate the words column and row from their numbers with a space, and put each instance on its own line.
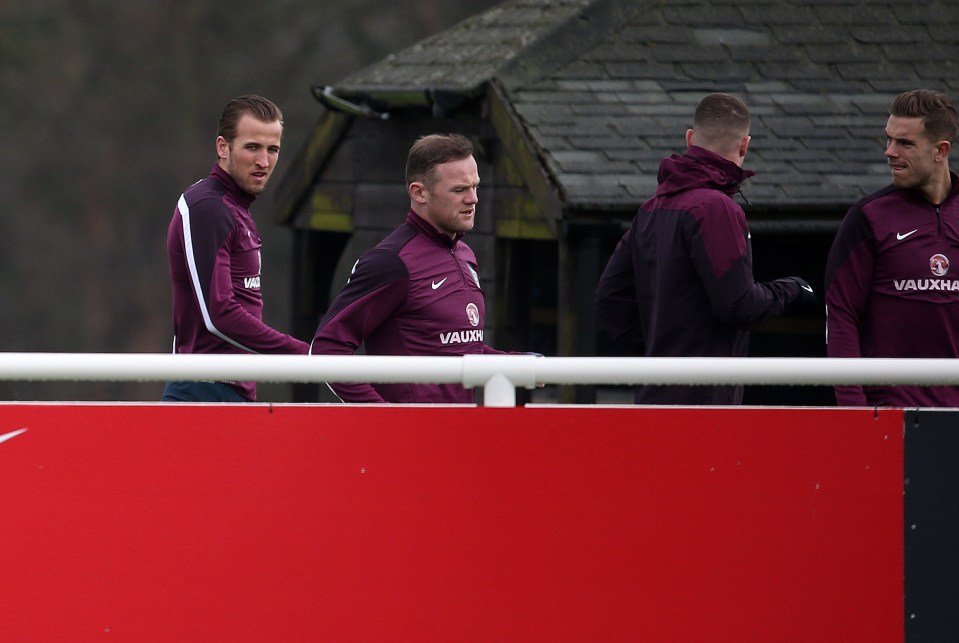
column 680, row 281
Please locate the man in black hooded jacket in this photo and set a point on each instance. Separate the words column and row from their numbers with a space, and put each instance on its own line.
column 680, row 282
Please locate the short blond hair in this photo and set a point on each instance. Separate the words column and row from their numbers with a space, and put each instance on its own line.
column 721, row 120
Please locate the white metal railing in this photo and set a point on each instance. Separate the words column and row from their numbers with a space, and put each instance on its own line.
column 498, row 375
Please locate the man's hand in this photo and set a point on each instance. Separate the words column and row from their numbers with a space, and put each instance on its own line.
column 807, row 297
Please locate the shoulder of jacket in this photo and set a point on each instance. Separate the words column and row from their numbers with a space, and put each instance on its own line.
column 881, row 198
column 706, row 202
column 885, row 206
column 211, row 208
column 382, row 260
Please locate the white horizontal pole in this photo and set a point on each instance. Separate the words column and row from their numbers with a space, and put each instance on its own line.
column 145, row 367
column 798, row 371
column 473, row 370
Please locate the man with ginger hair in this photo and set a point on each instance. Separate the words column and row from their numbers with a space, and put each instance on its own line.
column 680, row 282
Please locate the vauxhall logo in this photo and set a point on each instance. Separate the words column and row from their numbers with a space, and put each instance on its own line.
column 252, row 282
column 938, row 266
column 465, row 336
column 461, row 337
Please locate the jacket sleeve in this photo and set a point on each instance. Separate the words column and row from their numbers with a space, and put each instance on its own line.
column 211, row 253
column 376, row 289
column 617, row 310
column 719, row 248
column 848, row 279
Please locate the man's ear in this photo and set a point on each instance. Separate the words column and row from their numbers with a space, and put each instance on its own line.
column 942, row 150
column 689, row 137
column 744, row 145
column 222, row 147
column 417, row 192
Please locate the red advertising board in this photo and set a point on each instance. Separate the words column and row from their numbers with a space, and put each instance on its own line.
column 289, row 522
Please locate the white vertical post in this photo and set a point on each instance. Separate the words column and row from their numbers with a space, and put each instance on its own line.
column 499, row 392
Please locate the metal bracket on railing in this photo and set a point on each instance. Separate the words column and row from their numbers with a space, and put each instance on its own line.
column 499, row 375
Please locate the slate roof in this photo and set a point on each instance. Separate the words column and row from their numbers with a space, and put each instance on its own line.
column 606, row 88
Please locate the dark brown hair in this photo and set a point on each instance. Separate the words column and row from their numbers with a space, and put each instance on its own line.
column 934, row 108
column 262, row 109
column 432, row 150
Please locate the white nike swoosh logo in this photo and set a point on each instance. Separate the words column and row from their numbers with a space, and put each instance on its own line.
column 902, row 236
column 437, row 284
column 807, row 288
column 12, row 434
